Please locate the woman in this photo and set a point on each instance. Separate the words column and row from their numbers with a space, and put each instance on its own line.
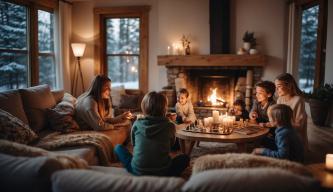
column 93, row 109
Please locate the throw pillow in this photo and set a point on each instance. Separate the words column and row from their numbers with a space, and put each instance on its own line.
column 11, row 102
column 60, row 118
column 116, row 93
column 86, row 180
column 129, row 101
column 235, row 160
column 58, row 95
column 249, row 180
column 13, row 129
column 35, row 101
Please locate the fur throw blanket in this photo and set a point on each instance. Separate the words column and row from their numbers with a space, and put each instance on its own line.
column 63, row 160
column 83, row 138
column 242, row 160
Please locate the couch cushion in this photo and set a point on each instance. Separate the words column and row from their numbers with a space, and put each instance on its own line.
column 26, row 173
column 60, row 117
column 58, row 95
column 111, row 170
column 242, row 160
column 11, row 102
column 252, row 179
column 84, row 180
column 35, row 101
column 88, row 153
column 13, row 129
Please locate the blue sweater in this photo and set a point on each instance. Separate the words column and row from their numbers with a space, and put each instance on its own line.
column 288, row 145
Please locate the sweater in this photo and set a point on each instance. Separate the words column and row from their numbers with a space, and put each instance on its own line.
column 297, row 104
column 185, row 111
column 88, row 117
column 151, row 139
column 288, row 145
column 262, row 112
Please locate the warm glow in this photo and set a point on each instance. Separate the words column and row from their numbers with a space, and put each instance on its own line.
column 78, row 49
column 214, row 99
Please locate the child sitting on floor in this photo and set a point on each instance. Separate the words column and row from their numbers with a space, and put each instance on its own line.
column 184, row 108
column 151, row 139
column 239, row 110
column 288, row 144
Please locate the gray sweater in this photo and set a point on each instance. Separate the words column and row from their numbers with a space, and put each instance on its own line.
column 186, row 111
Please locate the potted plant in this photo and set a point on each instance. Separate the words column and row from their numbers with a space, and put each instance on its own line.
column 249, row 41
column 319, row 101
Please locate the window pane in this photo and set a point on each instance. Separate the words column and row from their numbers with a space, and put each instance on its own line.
column 47, row 65
column 47, row 71
column 13, row 26
column 123, row 70
column 308, row 49
column 122, row 35
column 13, row 70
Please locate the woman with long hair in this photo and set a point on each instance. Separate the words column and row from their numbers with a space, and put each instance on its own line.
column 93, row 110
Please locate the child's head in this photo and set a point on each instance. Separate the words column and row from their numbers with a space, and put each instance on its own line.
column 182, row 96
column 154, row 104
column 265, row 91
column 280, row 115
column 239, row 105
column 286, row 85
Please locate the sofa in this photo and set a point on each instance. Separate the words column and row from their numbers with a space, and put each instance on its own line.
column 40, row 113
column 47, row 174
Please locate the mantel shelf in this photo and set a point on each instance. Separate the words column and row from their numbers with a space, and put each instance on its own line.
column 227, row 60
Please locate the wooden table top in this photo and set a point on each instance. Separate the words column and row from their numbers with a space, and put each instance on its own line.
column 232, row 138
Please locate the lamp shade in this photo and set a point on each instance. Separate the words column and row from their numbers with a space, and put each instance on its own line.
column 78, row 49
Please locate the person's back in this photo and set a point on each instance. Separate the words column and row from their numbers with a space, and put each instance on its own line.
column 151, row 138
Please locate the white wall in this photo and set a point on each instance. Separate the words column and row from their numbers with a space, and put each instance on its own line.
column 170, row 19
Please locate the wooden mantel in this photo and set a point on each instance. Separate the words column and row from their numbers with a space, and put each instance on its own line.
column 229, row 60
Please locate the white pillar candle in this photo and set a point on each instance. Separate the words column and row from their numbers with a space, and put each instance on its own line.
column 329, row 162
column 215, row 116
column 169, row 50
column 206, row 122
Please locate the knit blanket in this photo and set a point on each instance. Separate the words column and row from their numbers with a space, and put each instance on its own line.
column 17, row 149
column 100, row 141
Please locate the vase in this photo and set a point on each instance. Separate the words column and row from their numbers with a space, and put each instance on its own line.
column 247, row 46
column 253, row 51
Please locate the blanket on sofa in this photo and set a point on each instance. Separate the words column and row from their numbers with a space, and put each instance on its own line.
column 17, row 149
column 100, row 141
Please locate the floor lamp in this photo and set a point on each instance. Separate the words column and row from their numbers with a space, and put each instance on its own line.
column 78, row 50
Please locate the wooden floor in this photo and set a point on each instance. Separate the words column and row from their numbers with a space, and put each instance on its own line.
column 320, row 143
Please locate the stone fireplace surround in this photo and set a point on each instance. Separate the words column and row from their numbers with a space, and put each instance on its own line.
column 235, row 73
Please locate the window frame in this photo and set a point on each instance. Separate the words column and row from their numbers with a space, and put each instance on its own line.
column 100, row 16
column 321, row 37
column 32, row 36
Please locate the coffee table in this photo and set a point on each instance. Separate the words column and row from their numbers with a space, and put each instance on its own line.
column 188, row 139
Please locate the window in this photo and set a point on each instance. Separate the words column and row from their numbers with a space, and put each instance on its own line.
column 27, row 55
column 312, row 37
column 123, row 53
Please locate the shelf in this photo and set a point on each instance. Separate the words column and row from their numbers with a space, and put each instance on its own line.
column 227, row 60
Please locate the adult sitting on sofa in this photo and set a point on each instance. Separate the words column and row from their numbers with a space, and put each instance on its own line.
column 39, row 117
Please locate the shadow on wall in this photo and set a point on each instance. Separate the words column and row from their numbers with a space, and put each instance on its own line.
column 275, row 66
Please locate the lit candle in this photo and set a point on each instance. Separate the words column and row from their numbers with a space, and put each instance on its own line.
column 329, row 162
column 206, row 122
column 215, row 116
column 169, row 50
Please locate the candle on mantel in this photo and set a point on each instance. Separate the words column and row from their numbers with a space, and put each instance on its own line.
column 216, row 116
column 169, row 50
column 329, row 162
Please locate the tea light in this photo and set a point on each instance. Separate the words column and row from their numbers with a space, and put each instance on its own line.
column 329, row 162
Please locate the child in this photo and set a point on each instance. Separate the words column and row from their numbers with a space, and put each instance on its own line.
column 288, row 144
column 264, row 93
column 184, row 108
column 151, row 138
column 291, row 95
column 239, row 110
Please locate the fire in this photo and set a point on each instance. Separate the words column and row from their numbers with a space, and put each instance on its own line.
column 214, row 99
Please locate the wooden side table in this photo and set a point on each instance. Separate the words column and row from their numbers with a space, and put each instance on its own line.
column 324, row 176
